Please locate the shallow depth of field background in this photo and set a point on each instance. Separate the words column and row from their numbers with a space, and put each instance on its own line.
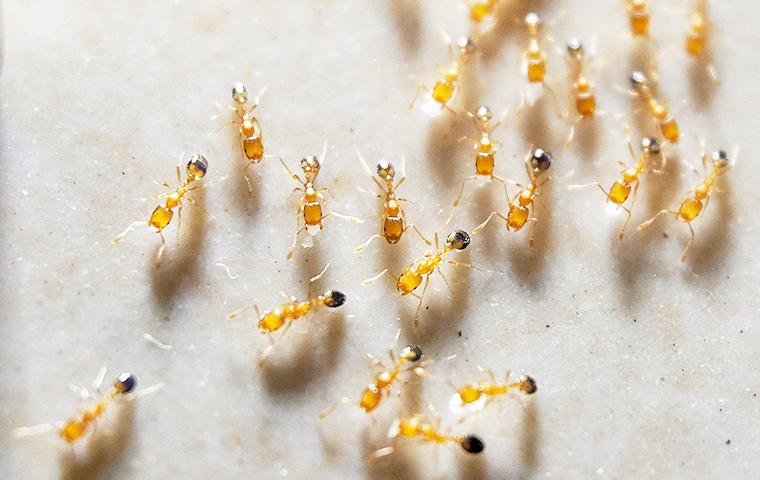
column 647, row 368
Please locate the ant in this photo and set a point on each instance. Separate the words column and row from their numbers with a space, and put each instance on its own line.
column 520, row 206
column 162, row 215
column 534, row 64
column 251, row 141
column 290, row 311
column 310, row 206
column 629, row 178
column 489, row 390
column 480, row 10
column 393, row 216
column 445, row 87
column 484, row 146
column 383, row 382
column 659, row 110
column 583, row 89
column 698, row 197
column 699, row 31
column 418, row 426
column 77, row 426
column 638, row 17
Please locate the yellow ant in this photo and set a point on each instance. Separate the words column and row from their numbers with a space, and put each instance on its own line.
column 699, row 33
column 77, row 426
column 638, row 17
column 393, row 216
column 162, row 215
column 484, row 148
column 417, row 426
column 521, row 205
column 629, row 179
column 383, row 381
column 659, row 110
column 480, row 10
column 290, row 311
column 310, row 206
column 251, row 140
column 698, row 197
column 582, row 89
column 445, row 87
column 488, row 390
column 534, row 65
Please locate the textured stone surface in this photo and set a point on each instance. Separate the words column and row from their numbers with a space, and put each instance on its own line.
column 647, row 368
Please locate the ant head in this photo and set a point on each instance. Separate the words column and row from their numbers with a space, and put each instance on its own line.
column 651, row 145
column 458, row 239
column 473, row 444
column 197, row 167
column 385, row 170
column 483, row 114
column 310, row 166
column 575, row 48
column 239, row 93
column 412, row 352
column 334, row 298
column 720, row 159
column 125, row 383
column 533, row 21
column 466, row 44
column 528, row 385
column 638, row 79
column 541, row 160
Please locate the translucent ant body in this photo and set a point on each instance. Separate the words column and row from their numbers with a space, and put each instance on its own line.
column 418, row 427
column 485, row 156
column 412, row 276
column 162, row 215
column 76, row 426
column 629, row 179
column 582, row 89
column 534, row 65
column 480, row 10
column 638, row 17
column 251, row 140
column 444, row 88
column 657, row 109
column 489, row 390
column 393, row 221
column 699, row 27
column 521, row 205
column 698, row 198
column 383, row 381
column 310, row 205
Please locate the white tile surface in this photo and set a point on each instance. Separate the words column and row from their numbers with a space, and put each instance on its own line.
column 647, row 368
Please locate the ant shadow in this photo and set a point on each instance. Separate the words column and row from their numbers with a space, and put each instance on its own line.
column 249, row 202
column 105, row 448
column 407, row 18
column 709, row 251
column 483, row 203
column 587, row 138
column 399, row 465
column 662, row 188
column 472, row 467
column 530, row 447
column 179, row 265
column 508, row 19
column 703, row 85
column 316, row 351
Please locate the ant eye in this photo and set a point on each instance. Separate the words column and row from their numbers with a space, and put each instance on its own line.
column 458, row 239
column 473, row 444
column 334, row 298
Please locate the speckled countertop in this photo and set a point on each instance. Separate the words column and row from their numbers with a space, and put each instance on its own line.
column 647, row 368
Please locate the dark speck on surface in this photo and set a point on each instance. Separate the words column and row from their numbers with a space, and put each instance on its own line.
column 459, row 333
column 664, row 235
column 728, row 442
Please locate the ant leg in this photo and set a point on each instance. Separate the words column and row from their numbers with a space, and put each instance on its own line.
column 651, row 220
column 234, row 314
column 347, row 218
column 419, row 304
column 688, row 245
column 299, row 230
column 290, row 172
column 424, row 239
column 329, row 410
column 315, row 278
column 571, row 135
column 364, row 245
column 160, row 249
column 557, row 109
column 445, row 280
column 371, row 280
column 532, row 235
column 118, row 238
column 248, row 179
column 417, row 94
column 633, row 203
column 461, row 190
column 483, row 225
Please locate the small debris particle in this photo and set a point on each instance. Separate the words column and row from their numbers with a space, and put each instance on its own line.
column 664, row 235
column 547, row 325
column 728, row 442
column 459, row 333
